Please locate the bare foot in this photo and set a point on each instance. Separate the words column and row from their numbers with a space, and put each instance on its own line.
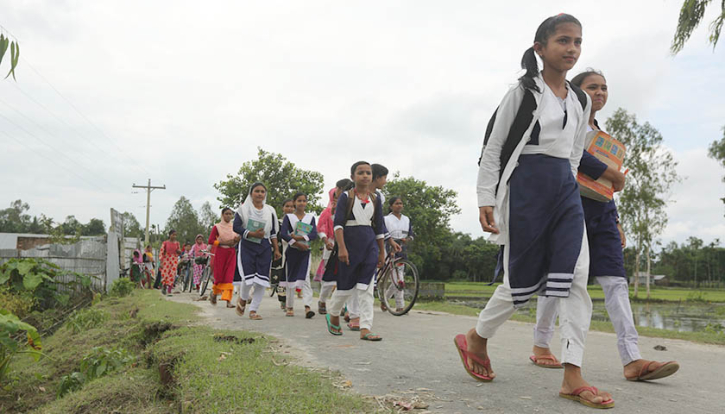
column 477, row 347
column 545, row 352
column 573, row 379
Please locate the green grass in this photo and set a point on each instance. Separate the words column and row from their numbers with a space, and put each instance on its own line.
column 530, row 317
column 241, row 373
column 475, row 290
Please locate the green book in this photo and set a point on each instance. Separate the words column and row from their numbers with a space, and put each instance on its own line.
column 254, row 225
column 303, row 229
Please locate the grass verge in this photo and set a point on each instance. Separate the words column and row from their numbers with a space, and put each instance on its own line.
column 701, row 337
column 178, row 367
column 657, row 294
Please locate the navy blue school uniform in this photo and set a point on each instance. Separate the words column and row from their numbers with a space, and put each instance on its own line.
column 605, row 244
column 360, row 233
column 255, row 259
column 297, row 268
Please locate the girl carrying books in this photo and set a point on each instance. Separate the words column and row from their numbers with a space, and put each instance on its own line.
column 224, row 239
column 359, row 233
column 298, row 229
column 529, row 199
column 257, row 223
column 169, row 256
column 606, row 261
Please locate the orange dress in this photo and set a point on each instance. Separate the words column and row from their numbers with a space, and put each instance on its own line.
column 169, row 262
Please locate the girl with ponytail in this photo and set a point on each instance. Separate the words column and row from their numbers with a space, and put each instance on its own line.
column 529, row 200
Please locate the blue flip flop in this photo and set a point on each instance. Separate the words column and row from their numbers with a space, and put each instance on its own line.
column 330, row 327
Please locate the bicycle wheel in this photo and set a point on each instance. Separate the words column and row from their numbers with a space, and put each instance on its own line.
column 205, row 277
column 398, row 288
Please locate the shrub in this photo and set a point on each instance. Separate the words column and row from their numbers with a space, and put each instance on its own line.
column 11, row 326
column 70, row 383
column 101, row 361
column 86, row 319
column 18, row 303
column 122, row 287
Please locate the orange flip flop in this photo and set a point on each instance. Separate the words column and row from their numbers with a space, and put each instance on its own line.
column 462, row 347
column 664, row 370
column 552, row 358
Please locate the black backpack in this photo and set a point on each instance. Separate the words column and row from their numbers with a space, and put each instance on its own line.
column 521, row 123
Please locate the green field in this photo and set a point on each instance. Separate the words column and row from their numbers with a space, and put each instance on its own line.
column 178, row 366
column 480, row 290
column 529, row 315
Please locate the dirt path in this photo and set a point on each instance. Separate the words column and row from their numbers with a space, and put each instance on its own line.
column 417, row 358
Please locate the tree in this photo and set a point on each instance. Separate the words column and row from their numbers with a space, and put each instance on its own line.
column 208, row 217
column 131, row 226
column 691, row 14
column 185, row 221
column 281, row 177
column 643, row 201
column 430, row 209
column 15, row 219
column 95, row 227
column 716, row 151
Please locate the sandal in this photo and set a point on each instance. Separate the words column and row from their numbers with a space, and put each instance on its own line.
column 383, row 307
column 309, row 314
column 229, row 304
column 353, row 326
column 462, row 348
column 371, row 337
column 333, row 329
column 322, row 308
column 212, row 299
column 241, row 305
column 576, row 396
column 290, row 312
column 664, row 370
column 556, row 364
column 255, row 316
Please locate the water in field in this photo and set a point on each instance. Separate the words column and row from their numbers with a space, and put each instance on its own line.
column 672, row 316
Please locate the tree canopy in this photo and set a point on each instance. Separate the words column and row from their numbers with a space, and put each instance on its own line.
column 691, row 14
column 185, row 220
column 281, row 177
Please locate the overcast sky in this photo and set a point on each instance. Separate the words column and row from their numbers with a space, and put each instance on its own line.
column 183, row 92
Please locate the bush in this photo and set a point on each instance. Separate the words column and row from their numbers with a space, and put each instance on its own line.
column 70, row 383
column 101, row 361
column 122, row 287
column 19, row 304
column 86, row 319
column 10, row 327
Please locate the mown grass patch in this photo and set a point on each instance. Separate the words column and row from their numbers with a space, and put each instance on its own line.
column 178, row 367
column 526, row 315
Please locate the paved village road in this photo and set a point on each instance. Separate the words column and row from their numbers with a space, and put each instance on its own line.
column 417, row 356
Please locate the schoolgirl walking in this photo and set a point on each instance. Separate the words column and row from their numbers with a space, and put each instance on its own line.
column 298, row 229
column 257, row 223
column 529, row 199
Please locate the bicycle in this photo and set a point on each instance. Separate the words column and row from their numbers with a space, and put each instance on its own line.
column 398, row 278
column 187, row 275
column 207, row 273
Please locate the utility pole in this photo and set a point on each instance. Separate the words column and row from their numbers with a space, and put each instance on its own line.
column 149, row 188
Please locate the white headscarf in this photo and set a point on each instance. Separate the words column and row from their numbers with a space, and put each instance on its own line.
column 266, row 214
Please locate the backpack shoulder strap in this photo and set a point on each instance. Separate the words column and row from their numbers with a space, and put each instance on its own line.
column 580, row 95
column 524, row 116
column 350, row 203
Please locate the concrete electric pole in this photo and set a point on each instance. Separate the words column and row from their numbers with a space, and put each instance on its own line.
column 149, row 189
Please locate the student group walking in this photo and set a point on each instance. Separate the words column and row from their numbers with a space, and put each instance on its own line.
column 552, row 239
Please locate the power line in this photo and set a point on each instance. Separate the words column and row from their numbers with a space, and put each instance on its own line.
column 78, row 111
column 57, row 151
column 46, row 131
column 149, row 188
column 61, row 120
column 50, row 159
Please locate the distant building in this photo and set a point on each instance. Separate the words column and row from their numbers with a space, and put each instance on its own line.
column 643, row 279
